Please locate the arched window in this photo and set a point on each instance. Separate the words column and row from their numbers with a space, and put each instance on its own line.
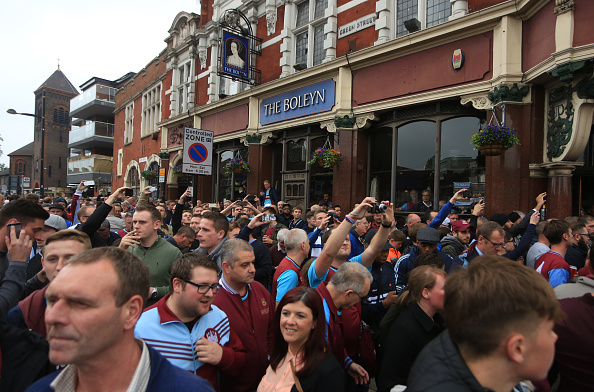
column 61, row 118
column 56, row 117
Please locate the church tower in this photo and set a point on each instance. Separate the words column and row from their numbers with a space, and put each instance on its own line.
column 52, row 124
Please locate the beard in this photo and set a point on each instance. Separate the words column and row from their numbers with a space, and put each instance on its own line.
column 583, row 245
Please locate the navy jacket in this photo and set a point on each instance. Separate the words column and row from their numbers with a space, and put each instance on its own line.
column 164, row 377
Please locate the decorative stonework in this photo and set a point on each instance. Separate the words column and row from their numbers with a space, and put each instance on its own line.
column 566, row 72
column 257, row 138
column 505, row 93
column 271, row 21
column 564, row 6
column 478, row 102
column 560, row 121
column 347, row 123
column 202, row 56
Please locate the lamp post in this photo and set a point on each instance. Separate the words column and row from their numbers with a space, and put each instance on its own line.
column 42, row 117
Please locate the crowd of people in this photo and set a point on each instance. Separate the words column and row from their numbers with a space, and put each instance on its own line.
column 143, row 294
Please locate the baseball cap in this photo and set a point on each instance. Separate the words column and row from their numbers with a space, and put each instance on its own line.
column 460, row 225
column 55, row 222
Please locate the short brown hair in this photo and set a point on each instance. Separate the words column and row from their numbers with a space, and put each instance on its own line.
column 555, row 229
column 155, row 214
column 133, row 274
column 219, row 221
column 493, row 297
column 397, row 235
column 488, row 228
column 69, row 235
column 414, row 229
column 25, row 211
column 182, row 267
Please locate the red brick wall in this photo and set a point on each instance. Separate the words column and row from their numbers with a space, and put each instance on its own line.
column 427, row 70
column 364, row 38
column 583, row 28
column 476, row 5
column 227, row 121
column 269, row 61
column 538, row 37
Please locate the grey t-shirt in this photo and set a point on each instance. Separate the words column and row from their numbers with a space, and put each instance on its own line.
column 537, row 250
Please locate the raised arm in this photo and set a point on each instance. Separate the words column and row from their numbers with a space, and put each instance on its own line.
column 380, row 238
column 338, row 236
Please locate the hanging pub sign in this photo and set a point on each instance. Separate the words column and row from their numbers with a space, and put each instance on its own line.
column 238, row 48
column 235, row 55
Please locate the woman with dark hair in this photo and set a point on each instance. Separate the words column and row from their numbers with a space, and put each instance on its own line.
column 417, row 323
column 301, row 360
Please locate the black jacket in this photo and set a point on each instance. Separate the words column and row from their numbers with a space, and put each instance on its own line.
column 576, row 256
column 328, row 376
column 24, row 358
column 412, row 330
column 441, row 368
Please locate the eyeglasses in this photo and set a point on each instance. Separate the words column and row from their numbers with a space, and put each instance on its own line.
column 203, row 288
column 496, row 244
column 361, row 298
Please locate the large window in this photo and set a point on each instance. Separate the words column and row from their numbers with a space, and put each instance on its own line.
column 413, row 165
column 309, row 32
column 184, row 81
column 129, row 124
column 428, row 12
column 151, row 110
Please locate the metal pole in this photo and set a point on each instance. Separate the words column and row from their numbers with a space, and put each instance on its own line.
column 437, row 165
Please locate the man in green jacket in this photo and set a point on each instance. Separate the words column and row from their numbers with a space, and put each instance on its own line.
column 158, row 254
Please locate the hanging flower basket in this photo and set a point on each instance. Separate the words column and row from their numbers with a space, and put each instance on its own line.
column 494, row 140
column 237, row 166
column 325, row 157
column 149, row 174
column 178, row 171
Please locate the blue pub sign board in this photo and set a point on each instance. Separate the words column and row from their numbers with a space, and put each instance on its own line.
column 315, row 98
column 236, row 57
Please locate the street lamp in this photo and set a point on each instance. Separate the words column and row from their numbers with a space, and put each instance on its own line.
column 42, row 117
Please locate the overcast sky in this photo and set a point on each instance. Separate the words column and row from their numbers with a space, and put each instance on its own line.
column 105, row 38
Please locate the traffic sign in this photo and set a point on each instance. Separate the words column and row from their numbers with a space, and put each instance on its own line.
column 197, row 158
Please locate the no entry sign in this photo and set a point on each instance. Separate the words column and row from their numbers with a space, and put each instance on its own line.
column 197, row 157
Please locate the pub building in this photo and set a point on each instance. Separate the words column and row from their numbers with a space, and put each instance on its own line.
column 398, row 87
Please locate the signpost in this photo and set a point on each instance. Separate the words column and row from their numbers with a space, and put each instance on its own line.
column 197, row 158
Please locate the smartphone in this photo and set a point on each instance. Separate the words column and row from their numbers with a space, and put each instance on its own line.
column 89, row 183
column 17, row 228
column 128, row 192
column 152, row 189
column 213, row 205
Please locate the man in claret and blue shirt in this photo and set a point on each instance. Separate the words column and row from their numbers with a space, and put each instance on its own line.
column 187, row 329
column 250, row 309
column 337, row 248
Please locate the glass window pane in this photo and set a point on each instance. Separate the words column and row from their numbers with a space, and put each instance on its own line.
column 224, row 177
column 460, row 162
column 296, row 154
column 319, row 52
column 406, row 9
column 321, row 6
column 380, row 163
column 302, row 14
column 415, row 156
column 438, row 12
column 301, row 48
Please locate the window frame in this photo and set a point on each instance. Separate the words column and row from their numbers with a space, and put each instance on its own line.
column 309, row 27
column 151, row 110
column 422, row 15
column 129, row 123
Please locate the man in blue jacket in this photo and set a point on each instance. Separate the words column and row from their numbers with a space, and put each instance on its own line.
column 91, row 329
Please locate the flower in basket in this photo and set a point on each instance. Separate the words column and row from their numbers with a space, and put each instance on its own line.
column 325, row 157
column 495, row 134
column 177, row 169
column 149, row 174
column 237, row 165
